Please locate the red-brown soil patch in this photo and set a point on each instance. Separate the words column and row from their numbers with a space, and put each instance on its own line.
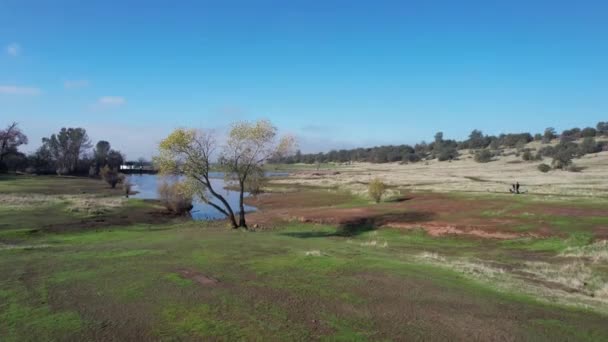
column 438, row 214
column 198, row 277
column 571, row 211
column 438, row 229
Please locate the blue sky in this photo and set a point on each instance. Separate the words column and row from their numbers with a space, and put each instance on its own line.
column 333, row 73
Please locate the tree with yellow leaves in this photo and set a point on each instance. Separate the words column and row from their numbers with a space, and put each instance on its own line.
column 248, row 146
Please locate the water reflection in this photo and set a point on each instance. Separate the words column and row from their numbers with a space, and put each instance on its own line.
column 147, row 188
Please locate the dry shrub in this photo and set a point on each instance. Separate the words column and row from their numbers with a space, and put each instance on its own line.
column 111, row 176
column 92, row 205
column 126, row 187
column 597, row 252
column 483, row 156
column 376, row 189
column 175, row 197
column 575, row 275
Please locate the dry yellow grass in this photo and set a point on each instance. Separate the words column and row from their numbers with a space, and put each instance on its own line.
column 88, row 204
column 469, row 176
column 574, row 283
column 597, row 252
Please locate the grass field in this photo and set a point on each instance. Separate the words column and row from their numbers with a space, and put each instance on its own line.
column 464, row 175
column 335, row 269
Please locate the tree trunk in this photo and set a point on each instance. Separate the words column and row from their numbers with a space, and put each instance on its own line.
column 224, row 202
column 233, row 222
column 242, row 222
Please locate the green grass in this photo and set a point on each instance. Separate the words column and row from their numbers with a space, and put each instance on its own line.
column 127, row 283
column 136, row 267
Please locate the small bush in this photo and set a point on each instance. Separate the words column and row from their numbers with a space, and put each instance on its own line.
column 483, row 156
column 529, row 156
column 92, row 171
column 376, row 189
column 176, row 197
column 255, row 182
column 111, row 176
column 126, row 187
column 547, row 151
column 544, row 168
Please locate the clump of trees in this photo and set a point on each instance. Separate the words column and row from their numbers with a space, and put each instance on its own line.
column 248, row 146
column 447, row 149
column 563, row 153
column 67, row 152
column 376, row 189
column 104, row 155
column 66, row 148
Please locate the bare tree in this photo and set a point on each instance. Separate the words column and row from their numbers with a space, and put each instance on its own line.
column 10, row 139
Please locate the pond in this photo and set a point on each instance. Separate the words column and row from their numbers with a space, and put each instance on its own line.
column 146, row 186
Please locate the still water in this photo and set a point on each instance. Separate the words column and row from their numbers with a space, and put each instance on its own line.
column 147, row 188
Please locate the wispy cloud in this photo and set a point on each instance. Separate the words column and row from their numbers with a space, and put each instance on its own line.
column 13, row 49
column 111, row 101
column 75, row 84
column 17, row 90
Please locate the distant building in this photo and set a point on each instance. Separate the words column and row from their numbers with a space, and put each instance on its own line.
column 131, row 166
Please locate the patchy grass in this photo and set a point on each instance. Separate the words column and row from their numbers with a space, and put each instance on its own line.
column 89, row 276
column 551, row 244
column 55, row 185
column 124, row 281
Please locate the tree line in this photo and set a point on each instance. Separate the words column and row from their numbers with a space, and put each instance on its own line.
column 67, row 152
column 447, row 149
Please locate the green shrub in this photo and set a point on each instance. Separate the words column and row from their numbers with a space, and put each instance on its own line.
column 563, row 154
column 589, row 145
column 544, row 168
column 529, row 156
column 483, row 156
column 255, row 182
column 376, row 189
column 447, row 153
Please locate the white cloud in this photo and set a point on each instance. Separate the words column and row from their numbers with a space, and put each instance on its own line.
column 13, row 49
column 112, row 101
column 74, row 84
column 16, row 90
